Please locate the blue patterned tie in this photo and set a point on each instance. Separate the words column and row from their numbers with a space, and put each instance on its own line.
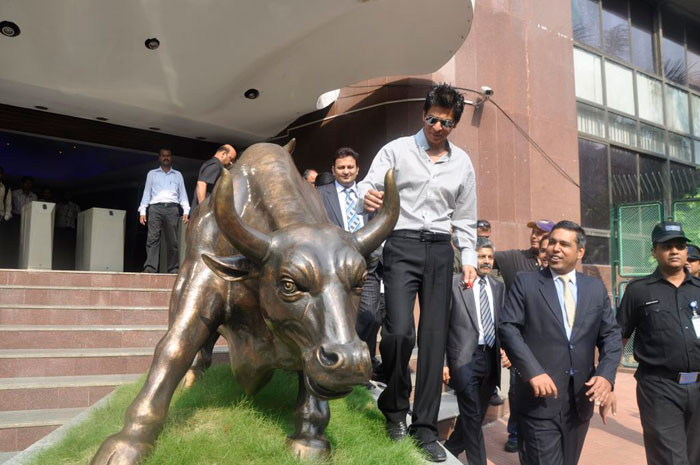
column 350, row 210
column 486, row 318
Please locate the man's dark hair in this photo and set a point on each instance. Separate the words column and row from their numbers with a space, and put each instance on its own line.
column 165, row 149
column 571, row 226
column 445, row 96
column 324, row 178
column 27, row 178
column 343, row 152
column 484, row 243
column 307, row 172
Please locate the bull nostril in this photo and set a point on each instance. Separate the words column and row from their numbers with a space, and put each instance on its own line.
column 328, row 359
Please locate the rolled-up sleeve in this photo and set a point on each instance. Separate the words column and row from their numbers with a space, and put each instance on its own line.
column 464, row 219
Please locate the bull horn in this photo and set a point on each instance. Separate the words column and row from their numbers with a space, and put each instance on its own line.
column 290, row 146
column 374, row 232
column 251, row 243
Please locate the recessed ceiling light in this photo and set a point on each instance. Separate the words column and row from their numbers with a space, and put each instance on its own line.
column 101, row 118
column 9, row 29
column 201, row 138
column 152, row 43
column 252, row 94
column 75, row 147
column 41, row 107
column 60, row 152
column 153, row 128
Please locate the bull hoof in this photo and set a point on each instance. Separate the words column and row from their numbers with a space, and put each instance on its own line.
column 119, row 450
column 310, row 448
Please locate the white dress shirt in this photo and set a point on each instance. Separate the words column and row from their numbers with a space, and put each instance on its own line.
column 438, row 197
column 162, row 187
column 341, row 199
column 476, row 291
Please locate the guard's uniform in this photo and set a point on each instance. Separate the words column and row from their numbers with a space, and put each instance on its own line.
column 667, row 347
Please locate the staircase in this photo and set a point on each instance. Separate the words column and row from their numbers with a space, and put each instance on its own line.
column 69, row 338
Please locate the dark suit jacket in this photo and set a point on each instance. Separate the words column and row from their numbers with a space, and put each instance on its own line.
column 463, row 333
column 329, row 197
column 532, row 333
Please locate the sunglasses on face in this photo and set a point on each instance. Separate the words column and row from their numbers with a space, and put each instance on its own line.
column 446, row 123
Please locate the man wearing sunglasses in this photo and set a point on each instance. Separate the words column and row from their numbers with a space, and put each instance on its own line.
column 438, row 195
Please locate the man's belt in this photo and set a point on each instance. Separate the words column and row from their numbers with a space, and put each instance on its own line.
column 681, row 377
column 423, row 236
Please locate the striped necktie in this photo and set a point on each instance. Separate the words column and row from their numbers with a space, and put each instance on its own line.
column 486, row 318
column 350, row 210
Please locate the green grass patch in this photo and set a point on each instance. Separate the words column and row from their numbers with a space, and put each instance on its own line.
column 214, row 422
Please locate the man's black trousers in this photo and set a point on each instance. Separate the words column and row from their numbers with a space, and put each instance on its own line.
column 415, row 267
column 368, row 318
column 670, row 414
column 162, row 217
column 473, row 401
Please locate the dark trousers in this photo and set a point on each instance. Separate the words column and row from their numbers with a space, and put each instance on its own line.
column 553, row 441
column 64, row 248
column 670, row 414
column 425, row 268
column 368, row 318
column 473, row 401
column 162, row 217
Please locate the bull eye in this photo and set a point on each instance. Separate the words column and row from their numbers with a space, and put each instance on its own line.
column 289, row 287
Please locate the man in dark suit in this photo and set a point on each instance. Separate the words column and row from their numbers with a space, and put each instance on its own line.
column 550, row 326
column 474, row 353
column 340, row 201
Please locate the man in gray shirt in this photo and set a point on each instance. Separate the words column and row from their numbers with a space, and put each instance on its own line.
column 438, row 202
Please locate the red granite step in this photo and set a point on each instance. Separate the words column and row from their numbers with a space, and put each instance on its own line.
column 75, row 295
column 82, row 315
column 85, row 279
column 79, row 337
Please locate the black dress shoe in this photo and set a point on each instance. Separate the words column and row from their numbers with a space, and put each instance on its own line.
column 434, row 451
column 396, row 431
column 496, row 399
column 511, row 445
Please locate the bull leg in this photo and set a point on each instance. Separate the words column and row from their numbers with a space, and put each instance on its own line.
column 311, row 416
column 174, row 353
column 201, row 362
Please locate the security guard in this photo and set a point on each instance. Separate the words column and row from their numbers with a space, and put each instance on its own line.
column 663, row 309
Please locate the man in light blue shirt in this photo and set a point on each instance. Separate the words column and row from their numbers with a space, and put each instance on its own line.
column 162, row 199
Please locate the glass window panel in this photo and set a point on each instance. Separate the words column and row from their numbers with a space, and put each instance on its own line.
column 685, row 181
column 677, row 109
column 695, row 109
column 591, row 120
column 672, row 48
column 597, row 251
column 649, row 95
column 696, row 143
column 693, row 37
column 588, row 76
column 619, row 89
column 586, row 21
column 623, row 130
column 642, row 36
column 679, row 147
column 651, row 139
column 593, row 176
column 652, row 179
column 623, row 176
column 616, row 30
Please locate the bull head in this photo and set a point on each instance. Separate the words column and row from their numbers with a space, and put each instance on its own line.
column 310, row 280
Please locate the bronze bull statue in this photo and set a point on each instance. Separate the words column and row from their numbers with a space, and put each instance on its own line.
column 266, row 269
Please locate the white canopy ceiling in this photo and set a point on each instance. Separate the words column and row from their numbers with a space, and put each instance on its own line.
column 87, row 58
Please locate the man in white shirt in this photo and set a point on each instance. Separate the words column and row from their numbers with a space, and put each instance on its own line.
column 162, row 199
column 5, row 216
column 437, row 188
column 340, row 201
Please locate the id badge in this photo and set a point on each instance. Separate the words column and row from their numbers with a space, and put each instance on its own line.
column 688, row 378
column 696, row 325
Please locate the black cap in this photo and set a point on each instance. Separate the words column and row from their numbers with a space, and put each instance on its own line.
column 693, row 253
column 666, row 231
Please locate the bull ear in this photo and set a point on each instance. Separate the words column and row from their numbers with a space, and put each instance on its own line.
column 289, row 147
column 236, row 268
